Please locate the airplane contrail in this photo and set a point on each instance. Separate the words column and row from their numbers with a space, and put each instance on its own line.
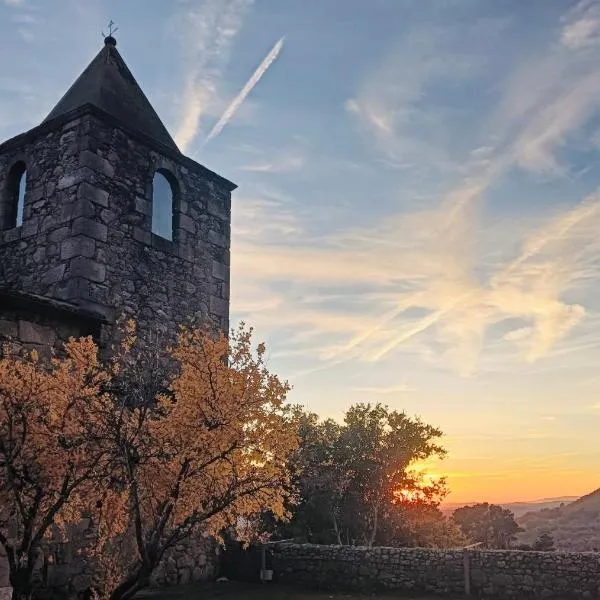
column 237, row 101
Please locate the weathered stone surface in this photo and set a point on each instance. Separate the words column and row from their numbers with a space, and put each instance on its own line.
column 8, row 329
column 87, row 269
column 53, row 274
column 33, row 333
column 220, row 271
column 77, row 246
column 90, row 228
column 143, row 205
column 96, row 163
column 495, row 574
column 93, row 194
column 93, row 200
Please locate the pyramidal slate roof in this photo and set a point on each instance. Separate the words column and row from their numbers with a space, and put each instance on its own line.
column 108, row 84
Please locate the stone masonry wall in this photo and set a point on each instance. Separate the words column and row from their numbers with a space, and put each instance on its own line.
column 32, row 330
column 68, row 574
column 86, row 235
column 493, row 574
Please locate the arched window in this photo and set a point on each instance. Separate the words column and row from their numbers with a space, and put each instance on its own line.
column 13, row 198
column 162, row 205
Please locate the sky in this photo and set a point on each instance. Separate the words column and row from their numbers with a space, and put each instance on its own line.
column 417, row 221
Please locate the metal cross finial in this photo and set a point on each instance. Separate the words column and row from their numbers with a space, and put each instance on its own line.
column 110, row 29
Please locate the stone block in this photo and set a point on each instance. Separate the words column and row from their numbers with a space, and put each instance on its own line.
column 53, row 275
column 90, row 228
column 87, row 268
column 74, row 178
column 143, row 206
column 186, row 252
column 58, row 235
column 77, row 246
column 187, row 224
column 96, row 163
column 217, row 208
column 8, row 328
column 142, row 235
column 82, row 207
column 218, row 306
column 218, row 239
column 10, row 235
column 93, row 194
column 29, row 228
column 185, row 576
column 220, row 271
column 33, row 333
column 39, row 255
column 37, row 193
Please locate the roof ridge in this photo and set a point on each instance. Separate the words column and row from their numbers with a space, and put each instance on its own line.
column 108, row 83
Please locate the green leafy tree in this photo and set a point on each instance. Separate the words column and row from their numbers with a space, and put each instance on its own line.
column 489, row 524
column 356, row 481
column 544, row 543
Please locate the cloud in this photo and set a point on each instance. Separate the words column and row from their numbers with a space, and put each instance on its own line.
column 581, row 33
column 208, row 34
column 440, row 279
column 280, row 164
column 394, row 107
column 239, row 99
column 582, row 25
column 420, row 275
column 14, row 2
column 572, row 106
column 282, row 160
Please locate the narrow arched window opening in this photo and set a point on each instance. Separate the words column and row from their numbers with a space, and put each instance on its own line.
column 21, row 198
column 162, row 206
column 13, row 199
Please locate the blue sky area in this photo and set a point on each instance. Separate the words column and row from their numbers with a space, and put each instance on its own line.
column 418, row 213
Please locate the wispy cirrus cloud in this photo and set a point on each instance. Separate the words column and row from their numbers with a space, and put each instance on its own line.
column 431, row 275
column 287, row 159
column 209, row 30
column 245, row 91
column 425, row 270
column 281, row 164
column 582, row 25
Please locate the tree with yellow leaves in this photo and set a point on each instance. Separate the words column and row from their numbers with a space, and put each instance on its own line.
column 201, row 449
column 53, row 455
column 192, row 438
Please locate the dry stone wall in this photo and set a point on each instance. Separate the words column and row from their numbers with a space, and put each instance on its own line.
column 492, row 574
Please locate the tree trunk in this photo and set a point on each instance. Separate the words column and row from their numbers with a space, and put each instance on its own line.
column 133, row 584
column 374, row 527
column 336, row 529
column 21, row 580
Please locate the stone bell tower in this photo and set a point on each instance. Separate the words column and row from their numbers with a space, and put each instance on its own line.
column 101, row 215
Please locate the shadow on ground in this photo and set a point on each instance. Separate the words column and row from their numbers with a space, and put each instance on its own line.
column 241, row 591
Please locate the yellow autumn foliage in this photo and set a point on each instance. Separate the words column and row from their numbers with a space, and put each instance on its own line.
column 154, row 445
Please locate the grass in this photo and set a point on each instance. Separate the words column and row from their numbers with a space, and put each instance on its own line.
column 237, row 591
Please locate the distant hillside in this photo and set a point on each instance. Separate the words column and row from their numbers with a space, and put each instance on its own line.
column 518, row 508
column 574, row 526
